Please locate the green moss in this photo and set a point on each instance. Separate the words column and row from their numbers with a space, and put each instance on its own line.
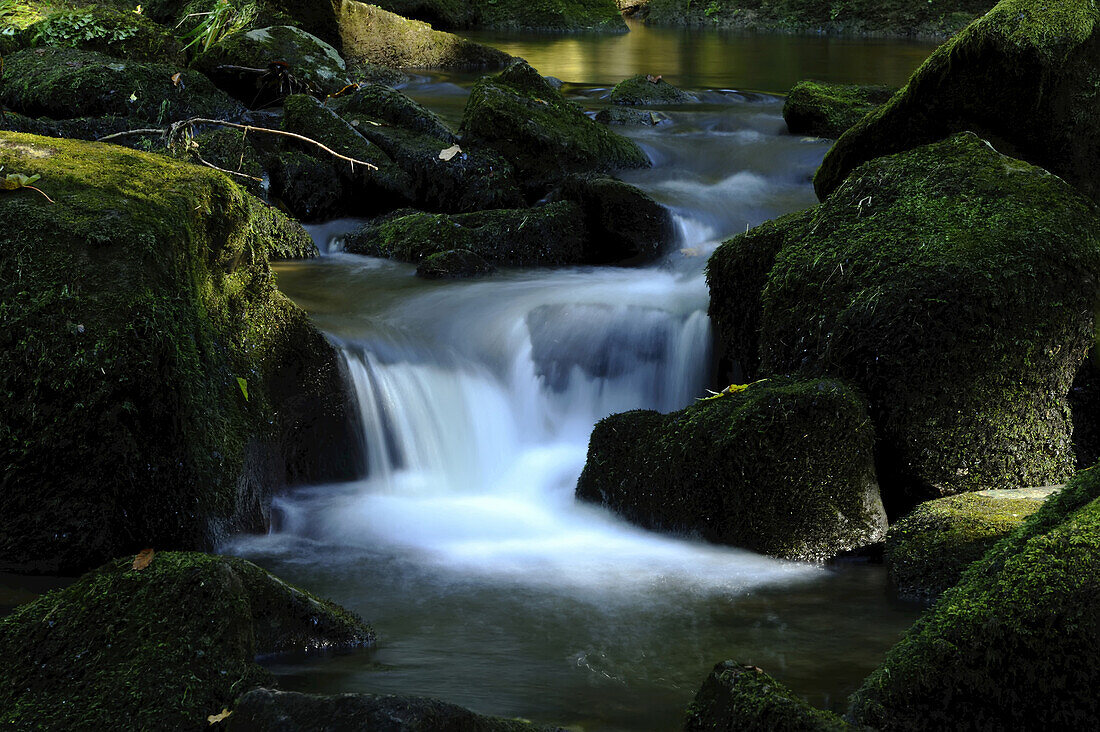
column 65, row 83
column 640, row 91
column 453, row 264
column 317, row 17
column 550, row 15
column 827, row 110
column 542, row 134
column 956, row 287
column 130, row 309
column 159, row 648
column 929, row 549
column 783, row 467
column 1014, row 644
column 116, row 33
column 229, row 149
column 741, row 698
column 385, row 104
column 1046, row 53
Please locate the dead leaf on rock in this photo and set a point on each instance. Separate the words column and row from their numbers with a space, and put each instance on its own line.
column 215, row 718
column 653, row 79
column 449, row 152
column 143, row 559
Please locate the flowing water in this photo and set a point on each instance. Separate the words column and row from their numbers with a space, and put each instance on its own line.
column 488, row 584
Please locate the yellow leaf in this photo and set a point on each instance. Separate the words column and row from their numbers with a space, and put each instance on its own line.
column 449, row 152
column 143, row 559
column 215, row 718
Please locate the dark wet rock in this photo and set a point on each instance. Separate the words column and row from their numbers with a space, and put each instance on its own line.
column 632, row 117
column 230, row 149
column 453, row 264
column 783, row 467
column 386, row 104
column 827, row 110
column 647, row 90
column 118, row 33
column 162, row 647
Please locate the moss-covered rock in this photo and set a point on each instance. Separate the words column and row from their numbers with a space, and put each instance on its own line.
column 956, row 287
column 377, row 36
column 306, row 186
column 230, row 149
column 63, row 83
column 158, row 648
column 1043, row 108
column 530, row 237
column 783, row 467
column 1014, row 644
column 267, row 709
column 121, row 34
column 827, row 110
column 742, row 698
column 155, row 384
column 632, row 117
column 928, row 550
column 386, row 104
column 453, row 264
column 314, row 66
column 644, row 91
column 543, row 135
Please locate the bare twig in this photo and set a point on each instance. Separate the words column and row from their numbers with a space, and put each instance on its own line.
column 229, row 172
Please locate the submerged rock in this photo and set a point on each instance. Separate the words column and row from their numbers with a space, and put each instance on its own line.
column 827, row 110
column 1014, row 644
column 453, row 264
column 632, row 117
column 740, row 698
column 643, row 90
column 284, row 711
column 928, row 550
column 544, row 135
column 783, row 467
column 117, row 33
column 162, row 647
column 955, row 286
column 156, row 387
column 1042, row 107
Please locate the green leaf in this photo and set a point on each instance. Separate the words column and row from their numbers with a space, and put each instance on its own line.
column 243, row 383
column 15, row 181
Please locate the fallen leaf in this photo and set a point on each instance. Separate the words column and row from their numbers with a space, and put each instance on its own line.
column 137, row 10
column 215, row 718
column 653, row 79
column 449, row 152
column 243, row 383
column 133, row 97
column 15, row 181
column 176, row 77
column 143, row 559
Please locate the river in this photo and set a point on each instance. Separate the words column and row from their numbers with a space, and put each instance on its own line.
column 487, row 584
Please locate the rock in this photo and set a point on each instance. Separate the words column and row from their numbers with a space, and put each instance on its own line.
column 158, row 648
column 783, row 467
column 632, row 117
column 954, row 286
column 1014, row 644
column 742, row 698
column 283, row 711
column 316, row 17
column 385, row 104
column 230, row 149
column 928, row 550
column 453, row 264
column 543, row 135
column 625, row 225
column 531, row 237
column 64, row 83
column 143, row 311
column 1045, row 58
column 642, row 91
column 374, row 35
column 315, row 66
column 307, row 187
column 117, row 33
column 827, row 110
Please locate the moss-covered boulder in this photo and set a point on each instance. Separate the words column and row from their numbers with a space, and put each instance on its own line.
column 306, row 186
column 64, row 82
column 956, row 287
column 647, row 90
column 1014, row 644
column 783, row 467
column 928, row 550
column 117, row 33
column 377, row 36
column 827, row 110
column 741, row 698
column 630, row 117
column 544, row 135
column 156, row 387
column 267, row 709
column 530, row 237
column 229, row 149
column 1043, row 108
column 453, row 264
column 386, row 104
column 162, row 647
column 314, row 66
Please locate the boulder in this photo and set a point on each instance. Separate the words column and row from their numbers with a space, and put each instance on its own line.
column 928, row 550
column 162, row 647
column 1045, row 58
column 742, row 698
column 954, row 286
column 377, row 36
column 264, row 710
column 1014, row 644
column 453, row 264
column 827, row 110
column 632, row 117
column 646, row 90
column 312, row 66
column 782, row 467
column 306, row 186
column 529, row 237
column 64, row 83
column 156, row 386
column 386, row 104
column 233, row 150
column 117, row 33
column 544, row 135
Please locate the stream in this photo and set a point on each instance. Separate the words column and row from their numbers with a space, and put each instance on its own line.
column 488, row 585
